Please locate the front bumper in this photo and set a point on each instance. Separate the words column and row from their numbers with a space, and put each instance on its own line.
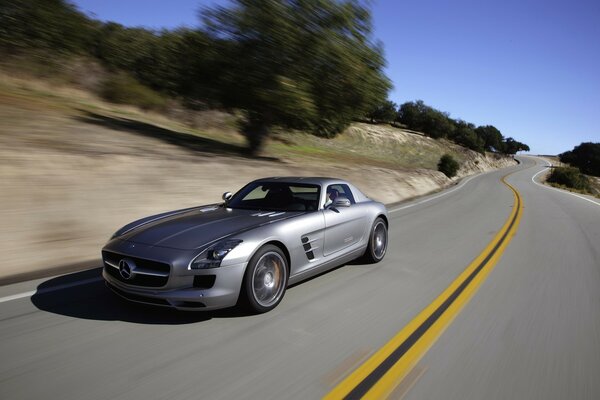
column 223, row 294
column 180, row 289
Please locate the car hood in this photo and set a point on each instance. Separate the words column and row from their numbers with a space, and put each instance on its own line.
column 192, row 229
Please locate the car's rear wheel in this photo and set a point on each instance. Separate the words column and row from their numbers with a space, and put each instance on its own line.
column 265, row 279
column 378, row 241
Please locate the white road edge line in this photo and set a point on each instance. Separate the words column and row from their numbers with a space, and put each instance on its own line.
column 49, row 290
column 556, row 189
column 463, row 183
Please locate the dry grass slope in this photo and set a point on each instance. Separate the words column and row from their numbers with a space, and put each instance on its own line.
column 74, row 168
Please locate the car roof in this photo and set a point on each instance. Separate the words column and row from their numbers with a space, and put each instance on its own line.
column 311, row 180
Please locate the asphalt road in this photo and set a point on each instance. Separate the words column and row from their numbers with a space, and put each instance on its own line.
column 532, row 330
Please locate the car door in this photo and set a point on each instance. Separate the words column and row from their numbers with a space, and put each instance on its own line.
column 344, row 226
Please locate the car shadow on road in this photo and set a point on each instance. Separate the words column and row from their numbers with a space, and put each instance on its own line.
column 84, row 295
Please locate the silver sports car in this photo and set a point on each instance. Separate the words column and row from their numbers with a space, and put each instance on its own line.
column 272, row 233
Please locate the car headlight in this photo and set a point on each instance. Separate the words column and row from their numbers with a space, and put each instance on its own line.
column 212, row 257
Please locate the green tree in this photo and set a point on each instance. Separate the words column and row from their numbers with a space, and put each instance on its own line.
column 492, row 138
column 190, row 62
column 300, row 64
column 420, row 117
column 130, row 49
column 511, row 146
column 44, row 24
column 448, row 165
column 464, row 134
column 412, row 114
column 181, row 62
column 585, row 156
column 384, row 112
column 438, row 124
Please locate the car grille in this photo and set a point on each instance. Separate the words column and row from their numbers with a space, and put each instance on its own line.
column 148, row 273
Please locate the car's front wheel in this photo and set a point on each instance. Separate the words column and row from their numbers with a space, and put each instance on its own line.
column 265, row 279
column 378, row 240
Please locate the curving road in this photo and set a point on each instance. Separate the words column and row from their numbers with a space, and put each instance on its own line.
column 530, row 331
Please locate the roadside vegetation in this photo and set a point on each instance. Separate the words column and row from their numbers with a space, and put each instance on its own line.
column 311, row 67
column 122, row 89
column 448, row 165
column 420, row 117
column 582, row 174
column 28, row 105
column 570, row 177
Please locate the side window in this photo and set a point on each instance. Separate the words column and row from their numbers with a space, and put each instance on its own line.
column 339, row 190
column 307, row 195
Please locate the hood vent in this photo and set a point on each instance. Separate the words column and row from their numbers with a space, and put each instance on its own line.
column 208, row 209
column 268, row 214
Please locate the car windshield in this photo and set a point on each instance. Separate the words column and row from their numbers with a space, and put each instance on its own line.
column 276, row 196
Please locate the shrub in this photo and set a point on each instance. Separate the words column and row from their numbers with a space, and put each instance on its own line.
column 570, row 177
column 448, row 165
column 123, row 89
column 329, row 127
column 586, row 157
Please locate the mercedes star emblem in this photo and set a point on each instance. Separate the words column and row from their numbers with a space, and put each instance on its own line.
column 126, row 269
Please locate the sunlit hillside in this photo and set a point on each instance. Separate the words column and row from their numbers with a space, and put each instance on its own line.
column 75, row 168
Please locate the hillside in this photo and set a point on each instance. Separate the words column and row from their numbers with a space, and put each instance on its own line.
column 74, row 168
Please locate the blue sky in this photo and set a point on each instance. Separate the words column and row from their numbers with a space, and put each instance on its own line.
column 530, row 68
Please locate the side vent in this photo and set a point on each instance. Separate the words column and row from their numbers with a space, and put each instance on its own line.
column 308, row 248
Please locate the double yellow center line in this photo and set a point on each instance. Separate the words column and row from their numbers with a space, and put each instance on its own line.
column 383, row 371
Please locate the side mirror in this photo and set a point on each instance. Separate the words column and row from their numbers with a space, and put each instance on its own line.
column 341, row 201
column 227, row 196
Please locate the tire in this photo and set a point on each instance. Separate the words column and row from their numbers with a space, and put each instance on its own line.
column 378, row 241
column 265, row 280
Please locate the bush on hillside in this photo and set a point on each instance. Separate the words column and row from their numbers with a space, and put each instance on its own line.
column 570, row 177
column 448, row 165
column 123, row 89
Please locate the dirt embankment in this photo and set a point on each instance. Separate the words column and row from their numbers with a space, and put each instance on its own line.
column 59, row 208
column 69, row 180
